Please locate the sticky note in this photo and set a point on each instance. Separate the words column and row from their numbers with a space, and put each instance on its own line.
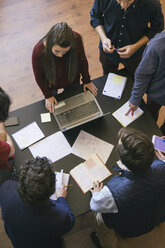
column 45, row 117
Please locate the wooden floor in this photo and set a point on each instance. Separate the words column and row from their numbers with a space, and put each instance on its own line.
column 22, row 24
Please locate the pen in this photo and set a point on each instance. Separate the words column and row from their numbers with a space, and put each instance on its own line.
column 69, row 185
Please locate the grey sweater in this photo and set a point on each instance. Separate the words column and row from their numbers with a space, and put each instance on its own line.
column 150, row 74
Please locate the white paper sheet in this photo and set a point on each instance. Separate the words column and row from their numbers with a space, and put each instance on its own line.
column 125, row 120
column 28, row 135
column 61, row 178
column 54, row 147
column 86, row 144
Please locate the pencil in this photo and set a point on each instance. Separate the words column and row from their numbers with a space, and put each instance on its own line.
column 69, row 185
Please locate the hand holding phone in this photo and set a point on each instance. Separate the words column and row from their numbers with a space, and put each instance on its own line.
column 159, row 143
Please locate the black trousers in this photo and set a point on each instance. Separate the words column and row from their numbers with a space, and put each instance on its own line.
column 110, row 66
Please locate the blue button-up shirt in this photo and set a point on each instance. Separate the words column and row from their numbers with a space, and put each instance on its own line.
column 127, row 27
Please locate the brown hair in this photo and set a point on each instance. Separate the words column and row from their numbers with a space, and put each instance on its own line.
column 36, row 181
column 62, row 35
column 135, row 150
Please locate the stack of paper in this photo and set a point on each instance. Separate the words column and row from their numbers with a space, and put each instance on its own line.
column 114, row 85
column 125, row 120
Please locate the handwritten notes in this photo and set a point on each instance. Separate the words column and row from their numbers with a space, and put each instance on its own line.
column 86, row 144
column 90, row 171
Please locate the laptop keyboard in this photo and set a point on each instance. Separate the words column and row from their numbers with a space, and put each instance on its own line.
column 77, row 113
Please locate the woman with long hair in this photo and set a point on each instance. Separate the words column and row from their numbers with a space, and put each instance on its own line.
column 59, row 61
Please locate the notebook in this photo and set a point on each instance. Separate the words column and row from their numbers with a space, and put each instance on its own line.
column 92, row 170
column 61, row 178
column 77, row 110
column 114, row 85
column 125, row 120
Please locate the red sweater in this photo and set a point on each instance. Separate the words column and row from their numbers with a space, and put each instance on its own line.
column 62, row 80
column 4, row 155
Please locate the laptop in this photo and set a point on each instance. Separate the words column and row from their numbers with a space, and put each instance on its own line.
column 77, row 110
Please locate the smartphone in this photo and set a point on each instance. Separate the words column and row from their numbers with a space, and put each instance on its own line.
column 12, row 121
column 159, row 143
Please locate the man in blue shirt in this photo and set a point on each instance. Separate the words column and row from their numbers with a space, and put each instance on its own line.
column 124, row 31
column 133, row 202
column 150, row 78
column 31, row 219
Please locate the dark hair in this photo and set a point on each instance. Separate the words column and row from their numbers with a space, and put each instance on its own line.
column 62, row 35
column 36, row 181
column 135, row 150
column 4, row 105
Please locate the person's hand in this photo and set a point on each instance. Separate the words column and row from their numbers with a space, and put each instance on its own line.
column 50, row 103
column 160, row 155
column 107, row 46
column 132, row 108
column 10, row 142
column 97, row 187
column 62, row 192
column 91, row 87
column 126, row 51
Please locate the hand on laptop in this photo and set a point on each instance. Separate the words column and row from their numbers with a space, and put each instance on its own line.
column 91, row 87
column 50, row 103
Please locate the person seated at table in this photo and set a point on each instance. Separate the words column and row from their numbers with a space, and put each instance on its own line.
column 6, row 145
column 150, row 78
column 133, row 202
column 58, row 61
column 31, row 218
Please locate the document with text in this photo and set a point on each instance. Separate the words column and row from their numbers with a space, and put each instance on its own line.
column 54, row 147
column 28, row 135
column 93, row 169
column 86, row 144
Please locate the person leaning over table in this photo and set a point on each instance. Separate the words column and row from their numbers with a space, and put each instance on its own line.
column 31, row 218
column 7, row 150
column 133, row 202
column 150, row 78
column 123, row 29
column 58, row 61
